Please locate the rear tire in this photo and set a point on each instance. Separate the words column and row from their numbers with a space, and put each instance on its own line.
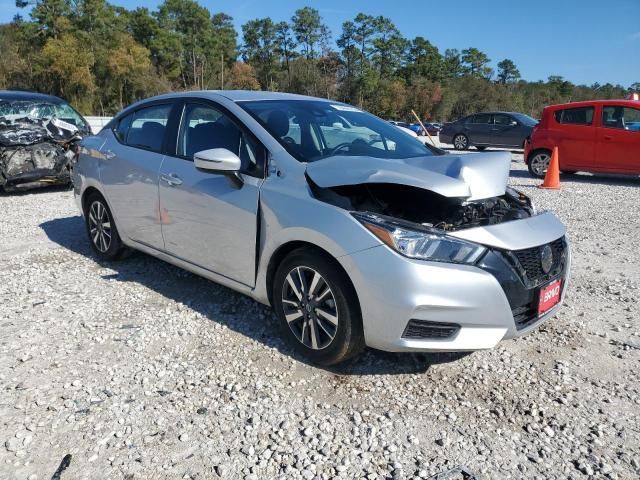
column 317, row 307
column 101, row 229
column 461, row 142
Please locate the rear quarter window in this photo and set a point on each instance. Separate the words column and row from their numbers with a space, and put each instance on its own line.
column 575, row 116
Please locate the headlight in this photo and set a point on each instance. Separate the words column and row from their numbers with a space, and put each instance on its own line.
column 423, row 243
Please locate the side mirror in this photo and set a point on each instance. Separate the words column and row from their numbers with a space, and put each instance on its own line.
column 513, row 123
column 217, row 160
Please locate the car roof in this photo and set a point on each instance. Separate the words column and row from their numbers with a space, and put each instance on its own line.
column 590, row 103
column 233, row 95
column 496, row 112
column 236, row 95
column 29, row 96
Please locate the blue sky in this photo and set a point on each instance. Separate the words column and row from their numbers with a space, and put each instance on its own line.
column 585, row 41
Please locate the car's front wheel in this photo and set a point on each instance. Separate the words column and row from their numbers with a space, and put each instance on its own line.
column 538, row 163
column 317, row 307
column 101, row 229
column 460, row 142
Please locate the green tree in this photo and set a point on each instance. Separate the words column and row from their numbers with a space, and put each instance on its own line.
column 286, row 45
column 259, row 48
column 476, row 63
column 424, row 60
column 65, row 66
column 128, row 65
column 388, row 47
column 309, row 30
column 507, row 71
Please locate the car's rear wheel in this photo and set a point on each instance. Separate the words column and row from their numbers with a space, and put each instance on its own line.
column 538, row 163
column 101, row 229
column 460, row 142
column 317, row 307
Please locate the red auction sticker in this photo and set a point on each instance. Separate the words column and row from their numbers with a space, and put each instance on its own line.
column 549, row 296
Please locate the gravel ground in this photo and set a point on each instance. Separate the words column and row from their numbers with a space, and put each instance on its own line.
column 140, row 370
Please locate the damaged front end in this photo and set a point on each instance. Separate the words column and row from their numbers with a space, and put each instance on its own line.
column 36, row 152
column 445, row 193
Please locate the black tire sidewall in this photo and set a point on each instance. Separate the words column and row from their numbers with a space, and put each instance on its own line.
column 115, row 248
column 349, row 339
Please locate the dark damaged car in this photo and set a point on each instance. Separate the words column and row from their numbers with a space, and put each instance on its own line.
column 356, row 233
column 39, row 136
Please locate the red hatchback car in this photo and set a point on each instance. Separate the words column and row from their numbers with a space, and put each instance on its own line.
column 593, row 136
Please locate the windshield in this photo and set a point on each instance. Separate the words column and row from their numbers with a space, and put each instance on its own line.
column 14, row 109
column 526, row 119
column 311, row 130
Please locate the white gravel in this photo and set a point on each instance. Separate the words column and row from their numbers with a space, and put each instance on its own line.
column 140, row 370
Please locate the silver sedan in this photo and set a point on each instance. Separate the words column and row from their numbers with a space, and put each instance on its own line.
column 356, row 233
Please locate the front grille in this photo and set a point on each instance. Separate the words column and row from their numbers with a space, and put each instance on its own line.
column 529, row 264
column 425, row 330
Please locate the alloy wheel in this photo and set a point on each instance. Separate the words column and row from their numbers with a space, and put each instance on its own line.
column 539, row 163
column 460, row 142
column 100, row 226
column 310, row 308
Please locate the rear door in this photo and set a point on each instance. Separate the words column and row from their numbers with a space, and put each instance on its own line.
column 478, row 128
column 129, row 172
column 618, row 139
column 575, row 135
column 210, row 219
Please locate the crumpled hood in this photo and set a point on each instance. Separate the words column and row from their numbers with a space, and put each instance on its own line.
column 471, row 176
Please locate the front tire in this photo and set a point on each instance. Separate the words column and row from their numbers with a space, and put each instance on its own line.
column 317, row 307
column 538, row 163
column 461, row 142
column 101, row 229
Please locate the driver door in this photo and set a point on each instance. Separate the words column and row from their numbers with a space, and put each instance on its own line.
column 209, row 219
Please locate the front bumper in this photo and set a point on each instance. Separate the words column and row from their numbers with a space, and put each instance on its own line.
column 393, row 290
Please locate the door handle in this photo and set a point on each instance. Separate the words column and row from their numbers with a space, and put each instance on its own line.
column 608, row 137
column 171, row 179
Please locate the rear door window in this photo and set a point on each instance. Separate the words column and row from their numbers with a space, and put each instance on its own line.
column 145, row 128
column 481, row 118
column 575, row 116
column 624, row 118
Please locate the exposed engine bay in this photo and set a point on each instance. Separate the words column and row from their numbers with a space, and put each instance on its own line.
column 36, row 151
column 425, row 207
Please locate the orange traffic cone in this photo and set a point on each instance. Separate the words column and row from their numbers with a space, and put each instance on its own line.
column 552, row 177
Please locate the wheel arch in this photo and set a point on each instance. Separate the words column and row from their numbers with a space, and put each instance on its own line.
column 285, row 249
column 86, row 194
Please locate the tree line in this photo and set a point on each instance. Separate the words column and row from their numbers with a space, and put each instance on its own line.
column 102, row 57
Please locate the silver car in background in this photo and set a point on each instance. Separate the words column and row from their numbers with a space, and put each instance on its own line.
column 354, row 232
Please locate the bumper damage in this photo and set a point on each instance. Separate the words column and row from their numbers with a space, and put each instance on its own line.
column 36, row 152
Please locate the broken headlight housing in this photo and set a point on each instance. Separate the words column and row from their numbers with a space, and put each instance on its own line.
column 418, row 241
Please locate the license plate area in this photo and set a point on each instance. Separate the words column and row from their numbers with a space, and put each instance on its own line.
column 549, row 296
